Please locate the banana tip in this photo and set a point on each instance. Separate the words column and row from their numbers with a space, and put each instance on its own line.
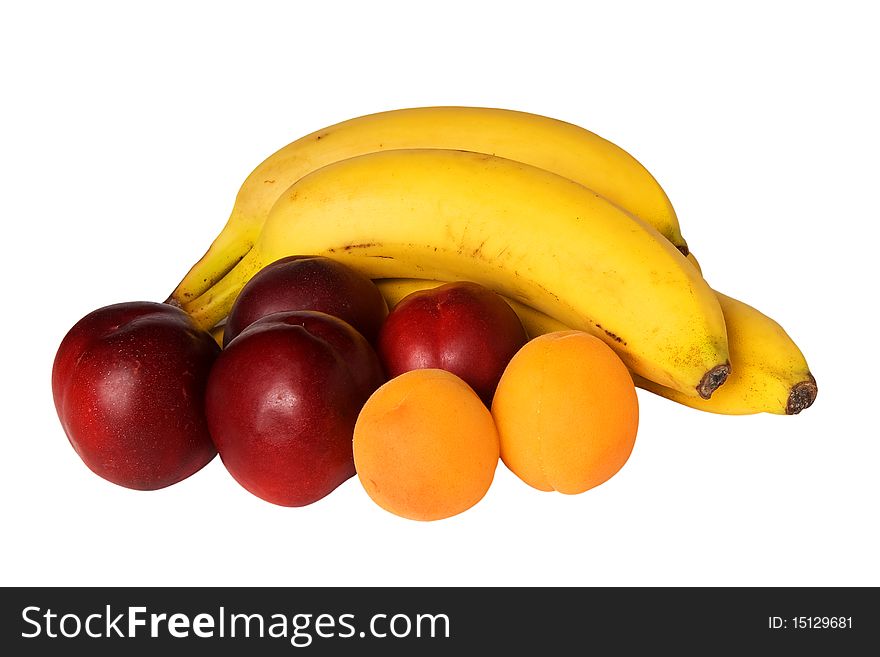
column 713, row 379
column 802, row 396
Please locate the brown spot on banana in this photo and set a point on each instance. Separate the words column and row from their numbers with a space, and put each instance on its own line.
column 362, row 245
column 802, row 396
column 611, row 335
column 713, row 379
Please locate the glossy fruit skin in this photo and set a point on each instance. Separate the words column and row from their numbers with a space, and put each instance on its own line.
column 282, row 401
column 309, row 283
column 462, row 327
column 128, row 383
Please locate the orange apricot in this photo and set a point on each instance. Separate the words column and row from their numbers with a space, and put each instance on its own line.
column 425, row 446
column 566, row 412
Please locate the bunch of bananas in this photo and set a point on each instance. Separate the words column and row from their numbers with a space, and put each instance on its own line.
column 566, row 225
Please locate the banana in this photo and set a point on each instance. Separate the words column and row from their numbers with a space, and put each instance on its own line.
column 696, row 263
column 529, row 234
column 769, row 373
column 547, row 143
column 217, row 333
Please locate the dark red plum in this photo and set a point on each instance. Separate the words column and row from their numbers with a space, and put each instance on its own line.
column 461, row 327
column 309, row 283
column 282, row 401
column 128, row 382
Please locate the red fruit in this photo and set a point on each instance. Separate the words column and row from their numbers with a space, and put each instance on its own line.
column 463, row 328
column 129, row 382
column 309, row 283
column 282, row 401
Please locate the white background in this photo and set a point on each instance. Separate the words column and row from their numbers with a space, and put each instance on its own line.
column 126, row 133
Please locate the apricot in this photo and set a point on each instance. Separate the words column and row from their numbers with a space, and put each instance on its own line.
column 425, row 446
column 566, row 412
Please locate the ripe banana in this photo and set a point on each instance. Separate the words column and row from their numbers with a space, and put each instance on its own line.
column 769, row 373
column 547, row 143
column 217, row 333
column 527, row 233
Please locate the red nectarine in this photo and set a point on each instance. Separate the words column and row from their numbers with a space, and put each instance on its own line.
column 128, row 382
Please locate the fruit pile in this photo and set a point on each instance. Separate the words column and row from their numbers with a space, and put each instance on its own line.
column 535, row 272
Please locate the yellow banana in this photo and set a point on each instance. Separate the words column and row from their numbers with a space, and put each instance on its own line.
column 527, row 233
column 217, row 333
column 547, row 143
column 769, row 373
